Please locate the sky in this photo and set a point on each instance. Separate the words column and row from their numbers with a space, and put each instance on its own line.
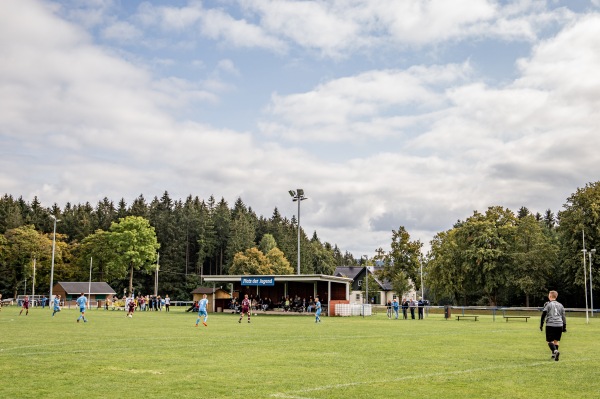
column 387, row 113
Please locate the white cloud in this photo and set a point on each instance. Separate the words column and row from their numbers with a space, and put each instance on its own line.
column 122, row 32
column 78, row 122
column 337, row 110
column 212, row 23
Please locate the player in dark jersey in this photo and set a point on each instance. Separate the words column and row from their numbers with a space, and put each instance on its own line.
column 245, row 308
column 556, row 323
column 25, row 306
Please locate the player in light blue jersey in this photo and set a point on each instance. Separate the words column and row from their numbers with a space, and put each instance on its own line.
column 396, row 307
column 82, row 302
column 317, row 310
column 56, row 303
column 202, row 311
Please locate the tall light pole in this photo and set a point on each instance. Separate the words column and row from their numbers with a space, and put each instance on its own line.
column 366, row 279
column 590, row 252
column 587, row 318
column 52, row 263
column 298, row 196
column 156, row 276
column 422, row 284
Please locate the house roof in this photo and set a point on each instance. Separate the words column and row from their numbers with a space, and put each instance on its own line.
column 353, row 272
column 86, row 287
column 348, row 271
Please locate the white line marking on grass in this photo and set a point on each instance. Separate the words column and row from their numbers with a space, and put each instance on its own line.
column 410, row 377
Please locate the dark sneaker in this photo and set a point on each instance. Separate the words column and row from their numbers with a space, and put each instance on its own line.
column 556, row 355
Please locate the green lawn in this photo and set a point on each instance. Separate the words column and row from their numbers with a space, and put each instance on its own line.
column 162, row 355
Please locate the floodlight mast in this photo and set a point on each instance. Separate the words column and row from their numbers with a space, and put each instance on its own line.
column 298, row 196
column 590, row 253
column 52, row 262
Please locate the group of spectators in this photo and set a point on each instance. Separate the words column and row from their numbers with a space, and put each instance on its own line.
column 144, row 303
column 286, row 303
column 407, row 304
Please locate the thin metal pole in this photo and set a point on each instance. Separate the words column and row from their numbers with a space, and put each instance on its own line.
column 299, row 200
column 587, row 318
column 90, row 286
column 156, row 276
column 52, row 263
column 591, row 292
column 33, row 283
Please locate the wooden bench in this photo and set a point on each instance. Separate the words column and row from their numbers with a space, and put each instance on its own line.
column 517, row 317
column 467, row 316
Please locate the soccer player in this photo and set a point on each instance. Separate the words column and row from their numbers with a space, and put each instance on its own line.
column 25, row 306
column 202, row 311
column 396, row 307
column 56, row 305
column 130, row 307
column 317, row 310
column 245, row 308
column 556, row 323
column 82, row 302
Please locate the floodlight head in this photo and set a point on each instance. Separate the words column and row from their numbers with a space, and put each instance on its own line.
column 292, row 193
column 593, row 250
column 300, row 192
column 52, row 216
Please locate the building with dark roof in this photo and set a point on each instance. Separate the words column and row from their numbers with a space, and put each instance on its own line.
column 70, row 291
column 358, row 273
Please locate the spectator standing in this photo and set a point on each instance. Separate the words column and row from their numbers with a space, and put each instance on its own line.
column 556, row 323
column 412, row 306
column 420, row 306
column 167, row 303
column 404, row 308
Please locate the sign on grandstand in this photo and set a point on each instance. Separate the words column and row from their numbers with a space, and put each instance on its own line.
column 258, row 281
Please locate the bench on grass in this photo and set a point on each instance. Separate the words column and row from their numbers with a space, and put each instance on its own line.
column 467, row 316
column 517, row 317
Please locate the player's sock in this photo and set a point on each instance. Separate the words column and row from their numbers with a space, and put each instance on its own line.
column 551, row 346
column 197, row 321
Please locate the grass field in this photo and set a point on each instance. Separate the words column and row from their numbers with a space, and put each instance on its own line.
column 162, row 355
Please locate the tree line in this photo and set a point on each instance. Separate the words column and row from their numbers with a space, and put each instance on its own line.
column 496, row 257
column 502, row 258
column 193, row 238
